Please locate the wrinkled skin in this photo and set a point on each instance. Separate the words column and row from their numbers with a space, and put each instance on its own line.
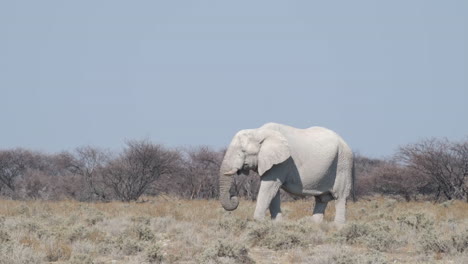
column 304, row 162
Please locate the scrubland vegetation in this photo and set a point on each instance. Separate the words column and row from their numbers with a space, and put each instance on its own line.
column 170, row 230
column 152, row 204
column 432, row 169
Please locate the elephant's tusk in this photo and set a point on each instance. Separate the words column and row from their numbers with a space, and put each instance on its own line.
column 230, row 173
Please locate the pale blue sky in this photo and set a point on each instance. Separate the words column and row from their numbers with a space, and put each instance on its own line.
column 380, row 73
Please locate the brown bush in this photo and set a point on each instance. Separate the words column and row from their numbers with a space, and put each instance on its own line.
column 138, row 167
column 444, row 163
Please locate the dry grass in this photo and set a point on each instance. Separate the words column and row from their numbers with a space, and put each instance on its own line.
column 168, row 230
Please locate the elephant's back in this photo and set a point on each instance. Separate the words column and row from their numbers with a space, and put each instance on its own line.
column 321, row 131
column 315, row 132
column 316, row 141
column 313, row 141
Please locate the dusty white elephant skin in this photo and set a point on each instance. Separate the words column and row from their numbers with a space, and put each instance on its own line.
column 305, row 162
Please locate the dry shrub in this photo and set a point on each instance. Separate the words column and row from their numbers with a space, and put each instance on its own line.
column 232, row 224
column 81, row 259
column 284, row 235
column 417, row 221
column 94, row 218
column 154, row 253
column 160, row 224
column 4, row 236
column 340, row 254
column 437, row 242
column 353, row 233
column 77, row 233
column 130, row 246
column 225, row 251
column 460, row 242
column 143, row 232
column 96, row 236
column 376, row 235
column 31, row 242
column 18, row 254
column 57, row 250
column 379, row 229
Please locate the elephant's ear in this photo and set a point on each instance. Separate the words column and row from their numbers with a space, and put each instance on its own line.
column 274, row 149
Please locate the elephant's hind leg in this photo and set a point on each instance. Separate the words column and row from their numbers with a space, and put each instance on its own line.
column 319, row 209
column 340, row 211
column 275, row 207
column 320, row 206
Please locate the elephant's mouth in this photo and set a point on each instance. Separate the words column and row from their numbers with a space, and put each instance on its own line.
column 246, row 168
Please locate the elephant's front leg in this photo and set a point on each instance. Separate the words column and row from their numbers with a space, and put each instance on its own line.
column 275, row 207
column 269, row 189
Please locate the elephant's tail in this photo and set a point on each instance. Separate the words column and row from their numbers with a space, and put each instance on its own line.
column 353, row 182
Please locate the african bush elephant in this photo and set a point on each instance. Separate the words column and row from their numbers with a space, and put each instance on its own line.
column 313, row 161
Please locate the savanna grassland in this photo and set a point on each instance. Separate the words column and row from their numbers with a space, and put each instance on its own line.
column 169, row 230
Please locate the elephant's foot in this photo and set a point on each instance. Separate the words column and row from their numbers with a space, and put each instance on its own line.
column 259, row 217
column 339, row 224
column 317, row 218
column 319, row 210
column 278, row 217
column 340, row 213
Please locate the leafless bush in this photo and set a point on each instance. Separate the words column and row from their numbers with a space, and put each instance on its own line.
column 89, row 162
column 390, row 177
column 247, row 185
column 198, row 173
column 432, row 168
column 365, row 177
column 46, row 176
column 444, row 162
column 139, row 166
column 13, row 165
column 393, row 179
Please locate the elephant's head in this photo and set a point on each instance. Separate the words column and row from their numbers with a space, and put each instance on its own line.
column 251, row 149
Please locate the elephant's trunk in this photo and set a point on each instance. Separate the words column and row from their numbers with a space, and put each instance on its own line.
column 229, row 203
column 232, row 162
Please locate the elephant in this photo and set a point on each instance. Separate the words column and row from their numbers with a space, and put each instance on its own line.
column 304, row 162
